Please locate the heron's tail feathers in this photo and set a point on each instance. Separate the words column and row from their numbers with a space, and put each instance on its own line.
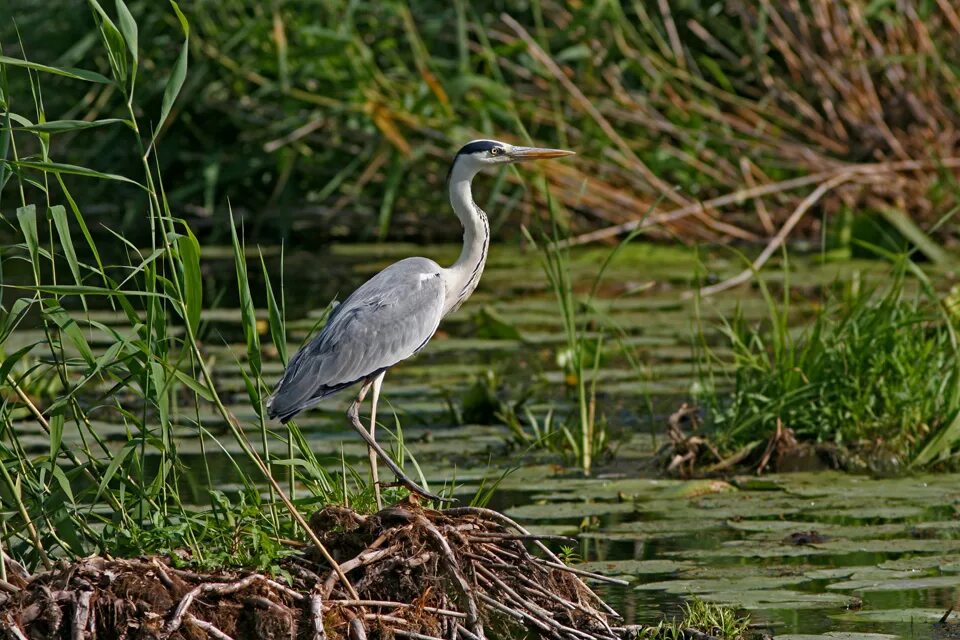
column 286, row 402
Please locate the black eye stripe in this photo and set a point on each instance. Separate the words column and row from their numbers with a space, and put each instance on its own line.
column 477, row 146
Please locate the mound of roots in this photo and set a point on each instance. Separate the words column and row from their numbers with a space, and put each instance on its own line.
column 406, row 572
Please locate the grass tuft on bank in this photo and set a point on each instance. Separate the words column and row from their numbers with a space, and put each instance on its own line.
column 877, row 369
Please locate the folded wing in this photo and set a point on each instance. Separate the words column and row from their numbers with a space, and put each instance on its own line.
column 388, row 319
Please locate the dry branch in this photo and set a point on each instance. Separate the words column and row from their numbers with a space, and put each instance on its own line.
column 463, row 573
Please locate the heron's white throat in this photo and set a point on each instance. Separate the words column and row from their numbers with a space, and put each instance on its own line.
column 462, row 277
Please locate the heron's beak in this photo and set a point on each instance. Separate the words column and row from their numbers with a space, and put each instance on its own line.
column 533, row 153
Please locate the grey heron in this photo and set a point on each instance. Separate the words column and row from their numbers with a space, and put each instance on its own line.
column 394, row 314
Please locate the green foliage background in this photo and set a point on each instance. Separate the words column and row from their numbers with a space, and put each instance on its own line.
column 337, row 118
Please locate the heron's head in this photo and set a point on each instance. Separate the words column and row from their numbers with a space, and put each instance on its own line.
column 478, row 154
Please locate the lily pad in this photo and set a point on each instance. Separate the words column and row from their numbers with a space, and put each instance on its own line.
column 892, row 615
column 566, row 510
column 921, row 562
column 721, row 585
column 874, row 513
column 634, row 567
column 751, row 549
column 837, row 635
column 697, row 488
column 931, row 582
column 889, row 546
column 655, row 527
column 778, row 599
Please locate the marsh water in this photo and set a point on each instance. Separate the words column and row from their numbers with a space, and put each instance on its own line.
column 807, row 554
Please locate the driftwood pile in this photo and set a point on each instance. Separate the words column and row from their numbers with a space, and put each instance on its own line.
column 408, row 572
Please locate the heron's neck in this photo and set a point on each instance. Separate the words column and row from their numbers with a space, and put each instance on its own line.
column 462, row 277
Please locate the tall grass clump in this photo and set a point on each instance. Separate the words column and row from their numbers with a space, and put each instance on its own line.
column 745, row 107
column 102, row 346
column 878, row 367
column 583, row 435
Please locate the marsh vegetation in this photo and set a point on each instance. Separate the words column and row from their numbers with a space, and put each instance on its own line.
column 153, row 158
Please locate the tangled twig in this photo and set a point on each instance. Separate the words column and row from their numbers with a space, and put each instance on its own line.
column 465, row 573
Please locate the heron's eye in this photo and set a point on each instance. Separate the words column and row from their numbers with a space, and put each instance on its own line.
column 496, row 151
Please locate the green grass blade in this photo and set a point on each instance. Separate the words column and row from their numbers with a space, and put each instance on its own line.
column 189, row 249
column 179, row 72
column 78, row 216
column 59, row 214
column 113, row 40
column 940, row 444
column 114, row 466
column 56, row 435
column 278, row 330
column 65, row 126
column 5, row 136
column 128, row 28
column 70, row 328
column 27, row 216
column 76, row 74
column 72, row 169
column 12, row 359
column 247, row 312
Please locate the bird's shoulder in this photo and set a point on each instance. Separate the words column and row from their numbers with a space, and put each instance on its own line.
column 401, row 279
column 412, row 286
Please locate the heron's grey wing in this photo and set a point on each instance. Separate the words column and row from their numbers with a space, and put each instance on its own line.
column 388, row 319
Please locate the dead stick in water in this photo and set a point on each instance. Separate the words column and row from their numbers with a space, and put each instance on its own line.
column 495, row 515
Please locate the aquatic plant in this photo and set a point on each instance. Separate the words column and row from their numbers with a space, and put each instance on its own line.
column 90, row 491
column 878, row 366
column 713, row 620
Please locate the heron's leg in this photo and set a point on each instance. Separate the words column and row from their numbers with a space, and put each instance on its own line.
column 371, row 452
column 353, row 413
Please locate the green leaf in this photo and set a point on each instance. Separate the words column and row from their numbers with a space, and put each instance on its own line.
column 59, row 214
column 189, row 250
column 941, row 443
column 198, row 387
column 4, row 148
column 62, row 126
column 60, row 168
column 253, row 392
column 79, row 290
column 114, row 465
column 912, row 232
column 17, row 311
column 64, row 483
column 71, row 329
column 278, row 330
column 8, row 363
column 179, row 73
column 128, row 27
column 115, row 42
column 78, row 216
column 56, row 437
column 109, row 356
column 77, row 74
column 27, row 216
column 247, row 312
column 158, row 376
